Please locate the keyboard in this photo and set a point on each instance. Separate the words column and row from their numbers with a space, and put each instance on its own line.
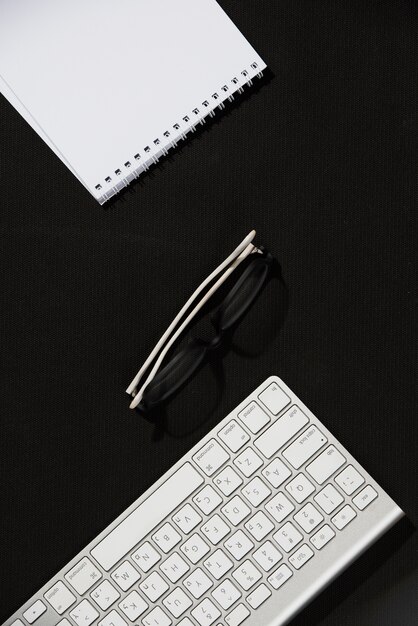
column 249, row 526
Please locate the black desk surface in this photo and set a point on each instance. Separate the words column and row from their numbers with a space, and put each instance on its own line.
column 321, row 160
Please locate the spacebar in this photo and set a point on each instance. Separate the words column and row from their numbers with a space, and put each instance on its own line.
column 146, row 516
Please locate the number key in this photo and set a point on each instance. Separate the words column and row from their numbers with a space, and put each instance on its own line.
column 267, row 556
column 226, row 594
column 247, row 575
column 308, row 517
column 206, row 613
column 287, row 537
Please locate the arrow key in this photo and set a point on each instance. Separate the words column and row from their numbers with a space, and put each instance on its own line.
column 34, row 611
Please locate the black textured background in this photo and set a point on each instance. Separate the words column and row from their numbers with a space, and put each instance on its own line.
column 321, row 160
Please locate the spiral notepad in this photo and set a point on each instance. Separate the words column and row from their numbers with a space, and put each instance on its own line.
column 112, row 85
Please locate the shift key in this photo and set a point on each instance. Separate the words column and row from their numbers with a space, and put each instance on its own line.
column 281, row 431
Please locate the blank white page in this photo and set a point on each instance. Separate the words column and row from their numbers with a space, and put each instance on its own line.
column 109, row 85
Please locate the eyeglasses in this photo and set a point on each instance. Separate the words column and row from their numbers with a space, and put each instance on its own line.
column 160, row 384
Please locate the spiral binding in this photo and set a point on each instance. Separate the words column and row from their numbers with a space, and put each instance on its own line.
column 141, row 161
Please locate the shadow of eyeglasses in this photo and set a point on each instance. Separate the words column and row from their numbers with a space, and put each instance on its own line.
column 240, row 340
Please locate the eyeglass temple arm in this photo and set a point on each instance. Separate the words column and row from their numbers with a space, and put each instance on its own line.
column 248, row 250
column 244, row 243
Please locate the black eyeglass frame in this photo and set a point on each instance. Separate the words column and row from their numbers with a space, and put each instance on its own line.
column 227, row 315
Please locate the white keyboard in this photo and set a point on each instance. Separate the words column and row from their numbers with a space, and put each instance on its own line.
column 248, row 527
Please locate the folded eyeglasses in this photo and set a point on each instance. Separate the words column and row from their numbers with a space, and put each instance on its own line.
column 162, row 382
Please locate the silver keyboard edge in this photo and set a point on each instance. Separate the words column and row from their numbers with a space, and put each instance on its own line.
column 348, row 546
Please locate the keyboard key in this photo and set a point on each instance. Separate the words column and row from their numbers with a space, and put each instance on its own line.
column 248, row 462
column 177, row 602
column 349, row 480
column 174, row 567
column 274, row 398
column 300, row 488
column 206, row 613
column 329, row 499
column 365, row 497
column 226, row 594
column 237, row 616
column 187, row 519
column 211, row 457
column 60, row 597
column 288, row 537
column 198, row 583
column 247, row 575
column 267, row 556
column 256, row 491
column 218, row 564
column 238, row 545
column 343, row 517
column 207, row 500
column 280, row 576
column 228, row 480
column 83, row 576
column 37, row 609
column 236, row 510
column 304, row 447
column 113, row 619
column 325, row 464
column 253, row 417
column 215, row 529
column 281, row 431
column 147, row 516
column 279, row 507
column 166, row 538
column 185, row 622
column 259, row 526
column 276, row 473
column 146, row 557
column 18, row 622
column 195, row 548
column 133, row 606
column 322, row 537
column 308, row 517
column 258, row 596
column 84, row 614
column 301, row 556
column 105, row 595
column 125, row 576
column 157, row 617
column 154, row 586
column 63, row 622
column 233, row 436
